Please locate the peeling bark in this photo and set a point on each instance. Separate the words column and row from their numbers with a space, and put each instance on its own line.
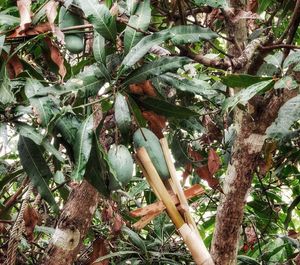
column 246, row 155
column 72, row 226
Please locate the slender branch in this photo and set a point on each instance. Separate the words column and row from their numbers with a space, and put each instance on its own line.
column 279, row 46
column 292, row 25
column 293, row 205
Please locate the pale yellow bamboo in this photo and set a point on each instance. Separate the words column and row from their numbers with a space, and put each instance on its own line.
column 148, row 178
column 158, row 185
column 176, row 185
column 195, row 245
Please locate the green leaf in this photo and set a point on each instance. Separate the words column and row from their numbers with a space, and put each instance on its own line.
column 155, row 68
column 136, row 112
column 45, row 108
column 132, row 5
column 293, row 58
column 117, row 254
column 96, row 170
column 99, row 48
column 245, row 260
column 143, row 46
column 167, row 109
column 287, row 82
column 195, row 86
column 287, row 115
column 135, row 238
column 36, row 168
column 190, row 34
column 82, row 147
column 2, row 39
column 6, row 95
column 139, row 20
column 246, row 94
column 8, row 20
column 99, row 15
column 67, row 125
column 87, row 83
column 263, row 5
column 29, row 132
column 212, row 3
column 242, row 80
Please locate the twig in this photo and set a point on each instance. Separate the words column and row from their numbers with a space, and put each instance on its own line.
column 292, row 25
column 279, row 46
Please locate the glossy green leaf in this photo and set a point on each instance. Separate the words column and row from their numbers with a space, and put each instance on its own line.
column 245, row 260
column 155, row 68
column 287, row 115
column 287, row 82
column 242, row 80
column 2, row 39
column 143, row 46
column 29, row 132
column 99, row 15
column 87, row 83
column 82, row 147
column 36, row 168
column 293, row 57
column 134, row 238
column 212, row 3
column 96, row 171
column 67, row 125
column 139, row 20
column 122, row 114
column 6, row 95
column 136, row 112
column 132, row 5
column 246, row 94
column 190, row 34
column 99, row 48
column 195, row 86
column 165, row 108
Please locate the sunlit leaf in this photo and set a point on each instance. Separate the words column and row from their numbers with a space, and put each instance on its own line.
column 139, row 20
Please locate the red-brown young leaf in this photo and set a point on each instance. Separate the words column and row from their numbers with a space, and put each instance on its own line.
column 25, row 14
column 148, row 88
column 156, row 122
column 99, row 250
column 213, row 161
column 117, row 225
column 136, row 89
column 31, row 218
column 56, row 57
column 187, row 171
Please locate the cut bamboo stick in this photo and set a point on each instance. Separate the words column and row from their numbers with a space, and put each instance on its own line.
column 196, row 246
column 192, row 239
column 176, row 184
column 158, row 185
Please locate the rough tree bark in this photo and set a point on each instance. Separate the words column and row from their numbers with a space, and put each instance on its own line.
column 72, row 226
column 250, row 127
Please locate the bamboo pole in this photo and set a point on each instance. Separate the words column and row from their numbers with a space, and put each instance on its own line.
column 176, row 185
column 158, row 185
column 194, row 243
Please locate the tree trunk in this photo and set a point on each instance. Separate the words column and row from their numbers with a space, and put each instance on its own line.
column 246, row 154
column 72, row 226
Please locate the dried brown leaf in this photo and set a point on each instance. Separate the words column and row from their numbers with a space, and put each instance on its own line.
column 31, row 219
column 99, row 250
column 56, row 57
column 213, row 161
